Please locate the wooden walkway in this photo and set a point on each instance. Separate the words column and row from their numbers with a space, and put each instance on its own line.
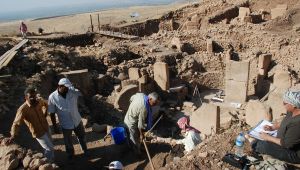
column 9, row 55
column 118, row 35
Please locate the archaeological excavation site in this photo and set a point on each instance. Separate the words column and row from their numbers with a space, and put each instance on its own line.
column 225, row 65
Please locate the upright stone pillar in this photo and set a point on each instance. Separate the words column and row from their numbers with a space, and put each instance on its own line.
column 161, row 75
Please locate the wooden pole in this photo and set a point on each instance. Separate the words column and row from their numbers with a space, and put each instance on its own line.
column 91, row 23
column 148, row 154
column 153, row 125
column 98, row 22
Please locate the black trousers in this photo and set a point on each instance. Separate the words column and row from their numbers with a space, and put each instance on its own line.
column 275, row 151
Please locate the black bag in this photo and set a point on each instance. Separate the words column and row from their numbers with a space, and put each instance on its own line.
column 238, row 162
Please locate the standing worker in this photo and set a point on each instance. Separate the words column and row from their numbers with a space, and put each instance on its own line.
column 138, row 112
column 23, row 29
column 33, row 113
column 63, row 102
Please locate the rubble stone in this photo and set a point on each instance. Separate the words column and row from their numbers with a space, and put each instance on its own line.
column 36, row 163
column 46, row 167
column 26, row 161
column 99, row 128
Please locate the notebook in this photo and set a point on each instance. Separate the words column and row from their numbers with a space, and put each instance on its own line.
column 254, row 132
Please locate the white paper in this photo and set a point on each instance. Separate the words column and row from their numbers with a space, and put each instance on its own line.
column 260, row 128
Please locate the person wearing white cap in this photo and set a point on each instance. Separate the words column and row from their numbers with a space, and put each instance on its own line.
column 63, row 102
column 116, row 165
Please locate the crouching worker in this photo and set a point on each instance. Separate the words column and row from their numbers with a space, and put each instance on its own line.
column 139, row 117
column 33, row 113
column 191, row 135
column 286, row 146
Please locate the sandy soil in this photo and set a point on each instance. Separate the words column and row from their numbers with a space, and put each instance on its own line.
column 80, row 23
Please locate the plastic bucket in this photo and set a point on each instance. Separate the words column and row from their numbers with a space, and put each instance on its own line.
column 118, row 135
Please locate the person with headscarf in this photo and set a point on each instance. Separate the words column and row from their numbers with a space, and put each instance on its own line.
column 139, row 116
column 286, row 145
column 191, row 135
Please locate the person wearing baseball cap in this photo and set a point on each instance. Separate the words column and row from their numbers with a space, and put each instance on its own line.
column 63, row 102
column 116, row 165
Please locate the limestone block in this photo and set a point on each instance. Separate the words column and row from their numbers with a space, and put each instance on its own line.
column 125, row 83
column 161, row 75
column 235, row 91
column 225, row 120
column 275, row 102
column 206, row 119
column 262, row 72
column 196, row 18
column 237, row 71
column 248, row 19
column 133, row 73
column 122, row 100
column 279, row 11
column 282, row 80
column 243, row 12
column 209, row 46
column 255, row 112
column 122, row 76
column 80, row 79
column 282, row 6
column 264, row 60
column 191, row 23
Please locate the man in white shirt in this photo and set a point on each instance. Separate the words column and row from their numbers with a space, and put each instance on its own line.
column 63, row 102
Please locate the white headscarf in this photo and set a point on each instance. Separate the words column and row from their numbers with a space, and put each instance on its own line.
column 292, row 97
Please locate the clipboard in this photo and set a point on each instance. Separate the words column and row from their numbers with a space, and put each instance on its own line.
column 254, row 132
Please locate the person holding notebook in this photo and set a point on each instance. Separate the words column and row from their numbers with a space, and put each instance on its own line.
column 286, row 145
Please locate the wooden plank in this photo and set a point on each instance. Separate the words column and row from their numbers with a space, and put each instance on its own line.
column 5, row 76
column 117, row 35
column 8, row 59
column 9, row 55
